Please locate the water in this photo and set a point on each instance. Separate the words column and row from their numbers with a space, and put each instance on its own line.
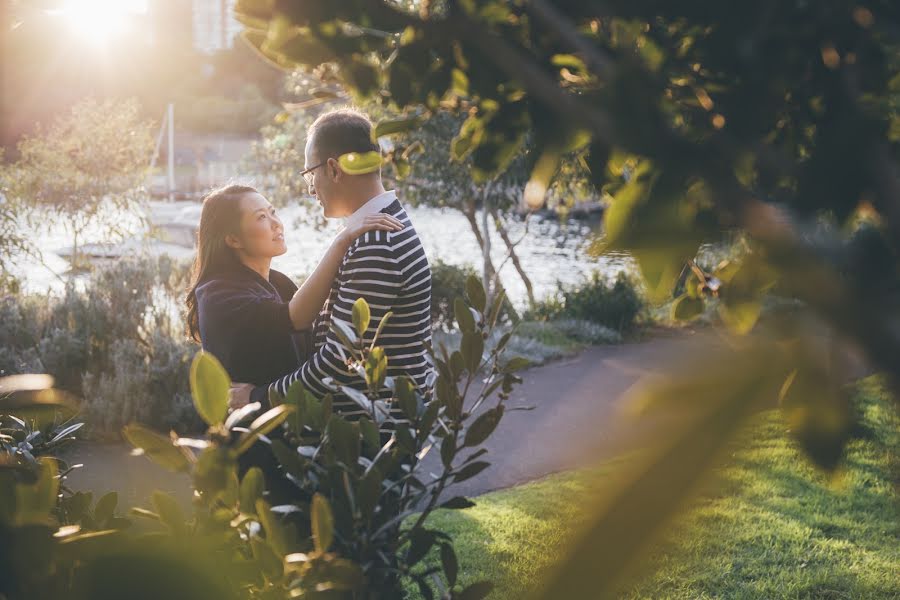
column 551, row 252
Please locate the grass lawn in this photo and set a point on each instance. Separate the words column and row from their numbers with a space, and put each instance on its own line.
column 775, row 528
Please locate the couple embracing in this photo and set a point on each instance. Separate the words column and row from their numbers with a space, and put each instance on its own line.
column 267, row 332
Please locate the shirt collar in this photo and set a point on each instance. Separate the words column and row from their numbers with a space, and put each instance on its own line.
column 372, row 206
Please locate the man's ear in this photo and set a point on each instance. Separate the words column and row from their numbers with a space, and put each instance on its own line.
column 333, row 170
column 233, row 242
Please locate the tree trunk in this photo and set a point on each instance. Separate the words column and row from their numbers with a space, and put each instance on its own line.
column 486, row 247
column 469, row 212
column 504, row 235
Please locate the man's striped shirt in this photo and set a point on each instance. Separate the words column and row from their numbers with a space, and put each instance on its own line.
column 390, row 271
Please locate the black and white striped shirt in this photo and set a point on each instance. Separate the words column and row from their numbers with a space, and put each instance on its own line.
column 390, row 271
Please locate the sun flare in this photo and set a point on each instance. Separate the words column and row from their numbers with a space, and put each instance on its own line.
column 100, row 20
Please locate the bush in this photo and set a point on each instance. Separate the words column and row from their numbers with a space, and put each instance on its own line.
column 447, row 283
column 356, row 526
column 118, row 342
column 615, row 306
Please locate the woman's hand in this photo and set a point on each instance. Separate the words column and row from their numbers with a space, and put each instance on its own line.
column 376, row 222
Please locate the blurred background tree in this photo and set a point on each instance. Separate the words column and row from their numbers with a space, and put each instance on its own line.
column 89, row 161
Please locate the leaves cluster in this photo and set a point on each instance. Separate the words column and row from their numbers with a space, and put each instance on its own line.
column 699, row 119
column 357, row 522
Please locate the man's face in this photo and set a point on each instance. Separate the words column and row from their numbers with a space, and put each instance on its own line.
column 325, row 181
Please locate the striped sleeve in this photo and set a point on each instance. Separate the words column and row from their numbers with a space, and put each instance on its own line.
column 370, row 271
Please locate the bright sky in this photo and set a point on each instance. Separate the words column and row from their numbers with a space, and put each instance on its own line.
column 99, row 20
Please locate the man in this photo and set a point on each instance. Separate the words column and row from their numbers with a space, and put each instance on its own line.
column 388, row 269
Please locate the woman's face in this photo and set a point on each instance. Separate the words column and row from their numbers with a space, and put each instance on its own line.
column 261, row 232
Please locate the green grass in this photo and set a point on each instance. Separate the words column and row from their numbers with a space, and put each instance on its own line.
column 775, row 527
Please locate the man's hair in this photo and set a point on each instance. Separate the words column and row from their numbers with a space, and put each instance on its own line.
column 341, row 131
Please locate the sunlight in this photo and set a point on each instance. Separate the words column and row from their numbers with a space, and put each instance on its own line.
column 99, row 21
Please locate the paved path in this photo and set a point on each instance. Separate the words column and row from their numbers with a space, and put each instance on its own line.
column 574, row 400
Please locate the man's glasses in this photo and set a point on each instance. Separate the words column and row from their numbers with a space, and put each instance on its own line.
column 308, row 173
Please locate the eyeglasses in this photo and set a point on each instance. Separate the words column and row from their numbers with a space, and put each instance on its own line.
column 308, row 173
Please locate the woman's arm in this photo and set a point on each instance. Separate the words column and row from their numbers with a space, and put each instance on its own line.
column 308, row 300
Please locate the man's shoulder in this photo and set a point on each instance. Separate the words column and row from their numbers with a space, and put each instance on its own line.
column 388, row 240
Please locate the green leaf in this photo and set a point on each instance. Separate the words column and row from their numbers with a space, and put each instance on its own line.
column 369, row 432
column 475, row 292
column 448, row 395
column 376, row 368
column 817, row 410
column 402, row 167
column 252, row 486
column 209, row 387
column 322, row 523
column 470, row 470
column 344, row 440
column 569, row 61
column 361, row 316
column 406, row 397
column 360, row 163
column 381, row 325
column 464, row 317
column 344, row 333
column 457, row 363
column 395, row 126
column 449, row 563
column 170, row 513
column 263, row 424
column 420, row 542
column 369, row 492
column 271, row 564
column 541, row 176
column 686, row 308
column 476, row 591
column 35, row 501
column 448, row 451
column 87, row 545
column 215, row 467
column 157, row 448
column 472, row 350
column 288, row 458
column 276, row 536
column 106, row 507
column 483, row 426
column 516, row 363
column 143, row 512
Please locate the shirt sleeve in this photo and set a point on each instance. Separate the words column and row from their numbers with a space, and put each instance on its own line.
column 370, row 271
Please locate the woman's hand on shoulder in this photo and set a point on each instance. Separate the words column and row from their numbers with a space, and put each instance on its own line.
column 376, row 222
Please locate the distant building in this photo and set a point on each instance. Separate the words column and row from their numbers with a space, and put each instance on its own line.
column 170, row 24
column 214, row 25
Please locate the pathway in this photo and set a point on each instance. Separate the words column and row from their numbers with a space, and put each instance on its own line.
column 573, row 420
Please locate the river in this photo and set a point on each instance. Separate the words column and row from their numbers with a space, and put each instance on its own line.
column 550, row 252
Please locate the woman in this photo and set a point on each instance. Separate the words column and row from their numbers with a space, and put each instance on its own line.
column 249, row 316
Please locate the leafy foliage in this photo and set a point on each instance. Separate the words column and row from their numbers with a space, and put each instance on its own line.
column 448, row 282
column 698, row 118
column 117, row 342
column 615, row 306
column 355, row 524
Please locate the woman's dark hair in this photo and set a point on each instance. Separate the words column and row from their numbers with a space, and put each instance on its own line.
column 221, row 216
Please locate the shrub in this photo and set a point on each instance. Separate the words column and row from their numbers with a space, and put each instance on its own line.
column 117, row 341
column 615, row 306
column 449, row 282
column 357, row 526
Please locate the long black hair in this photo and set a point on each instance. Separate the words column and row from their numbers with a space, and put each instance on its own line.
column 221, row 216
